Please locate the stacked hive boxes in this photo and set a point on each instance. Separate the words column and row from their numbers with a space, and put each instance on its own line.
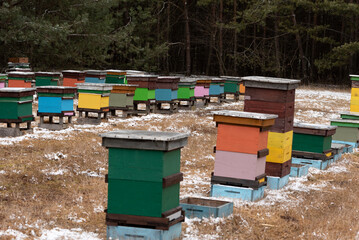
column 95, row 76
column 354, row 101
column 19, row 64
column 116, row 77
column 216, row 88
column 241, row 150
column 56, row 99
column 72, row 77
column 16, row 106
column 47, row 78
column 121, row 97
column 146, row 89
column 20, row 79
column 186, row 89
column 94, row 97
column 3, row 80
column 274, row 96
column 166, row 88
column 143, row 181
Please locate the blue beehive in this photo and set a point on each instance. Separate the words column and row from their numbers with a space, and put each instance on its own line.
column 95, row 76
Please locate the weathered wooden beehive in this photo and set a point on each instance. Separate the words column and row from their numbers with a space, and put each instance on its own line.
column 72, row 77
column 47, row 78
column 241, row 151
column 116, row 76
column 93, row 98
column 354, row 101
column 145, row 92
column 55, row 101
column 95, row 76
column 121, row 98
column 16, row 108
column 185, row 93
column 274, row 96
column 3, row 80
column 20, row 79
column 347, row 129
column 143, row 179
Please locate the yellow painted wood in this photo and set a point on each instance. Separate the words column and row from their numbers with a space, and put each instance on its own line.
column 279, row 155
column 354, row 108
column 261, row 180
column 92, row 101
column 328, row 154
column 355, row 92
column 354, row 101
column 280, row 140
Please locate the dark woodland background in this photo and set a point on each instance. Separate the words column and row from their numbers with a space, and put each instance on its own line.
column 316, row 41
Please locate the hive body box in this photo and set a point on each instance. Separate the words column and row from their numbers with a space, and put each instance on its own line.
column 94, row 96
column 167, row 88
column 116, row 77
column 347, row 129
column 16, row 105
column 186, row 89
column 56, row 100
column 146, row 86
column 20, row 79
column 72, row 77
column 143, row 178
column 3, row 80
column 121, row 96
column 216, row 87
column 274, row 96
column 201, row 89
column 47, row 78
column 354, row 101
column 241, row 150
column 95, row 76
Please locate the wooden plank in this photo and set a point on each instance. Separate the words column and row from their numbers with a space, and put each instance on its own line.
column 270, row 95
column 243, row 121
column 316, row 156
column 278, row 169
column 255, row 184
column 281, row 109
column 172, row 179
column 280, row 140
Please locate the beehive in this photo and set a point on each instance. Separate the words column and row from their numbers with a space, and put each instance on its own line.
column 166, row 88
column 116, row 77
column 95, row 76
column 47, row 78
column 72, row 77
column 231, row 84
column 94, row 96
column 144, row 172
column 16, row 104
column 201, row 89
column 354, row 101
column 216, row 87
column 56, row 100
column 186, row 89
column 146, row 86
column 347, row 130
column 274, row 96
column 20, row 79
column 122, row 96
column 313, row 138
column 3, row 80
column 241, row 144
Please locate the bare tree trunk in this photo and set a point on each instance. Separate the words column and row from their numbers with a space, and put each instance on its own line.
column 188, row 39
column 315, row 22
column 221, row 38
column 235, row 37
column 212, row 39
column 276, row 44
column 300, row 47
column 168, row 36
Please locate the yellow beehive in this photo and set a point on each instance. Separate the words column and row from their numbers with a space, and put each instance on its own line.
column 93, row 101
column 280, row 147
column 279, row 155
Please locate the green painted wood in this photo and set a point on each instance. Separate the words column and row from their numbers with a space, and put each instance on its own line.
column 93, row 91
column 185, row 93
column 152, row 94
column 65, row 95
column 16, row 99
column 231, row 86
column 141, row 198
column 354, row 78
column 142, row 165
column 22, row 78
column 14, row 110
column 119, row 79
column 46, row 81
column 120, row 100
column 141, row 94
column 349, row 116
column 311, row 143
column 345, row 124
column 347, row 134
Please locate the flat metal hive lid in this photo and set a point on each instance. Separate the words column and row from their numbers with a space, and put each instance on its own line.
column 17, row 90
column 314, row 126
column 260, row 116
column 145, row 135
column 271, row 80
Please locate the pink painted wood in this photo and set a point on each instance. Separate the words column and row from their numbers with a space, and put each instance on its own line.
column 2, row 84
column 206, row 91
column 199, row 91
column 239, row 165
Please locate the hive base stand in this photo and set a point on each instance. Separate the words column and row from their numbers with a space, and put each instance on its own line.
column 248, row 194
column 124, row 232
column 299, row 170
column 319, row 164
column 276, row 183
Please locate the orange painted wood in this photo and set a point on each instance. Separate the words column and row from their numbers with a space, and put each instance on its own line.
column 71, row 82
column 242, row 139
column 19, row 84
column 243, row 121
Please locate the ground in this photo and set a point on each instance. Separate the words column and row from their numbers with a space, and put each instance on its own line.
column 52, row 183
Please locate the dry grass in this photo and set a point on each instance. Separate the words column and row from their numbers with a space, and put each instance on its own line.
column 33, row 197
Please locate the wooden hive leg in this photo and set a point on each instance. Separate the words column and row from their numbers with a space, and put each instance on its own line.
column 28, row 125
column 61, row 120
column 69, row 119
column 41, row 119
column 86, row 114
column 17, row 125
column 113, row 112
column 8, row 125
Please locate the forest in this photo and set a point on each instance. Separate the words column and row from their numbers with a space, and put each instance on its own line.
column 316, row 41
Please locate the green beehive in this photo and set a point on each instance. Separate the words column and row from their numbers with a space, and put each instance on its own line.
column 231, row 84
column 146, row 86
column 347, row 129
column 313, row 138
column 16, row 104
column 186, row 89
column 144, row 171
column 47, row 78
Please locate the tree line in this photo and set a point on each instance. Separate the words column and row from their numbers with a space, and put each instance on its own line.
column 316, row 41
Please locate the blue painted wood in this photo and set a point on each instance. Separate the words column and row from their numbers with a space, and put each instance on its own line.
column 319, row 164
column 337, row 157
column 215, row 90
column 135, row 233
column 201, row 211
column 163, row 94
column 352, row 144
column 248, row 194
column 277, row 183
column 94, row 80
column 67, row 105
column 174, row 94
column 50, row 104
column 299, row 171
